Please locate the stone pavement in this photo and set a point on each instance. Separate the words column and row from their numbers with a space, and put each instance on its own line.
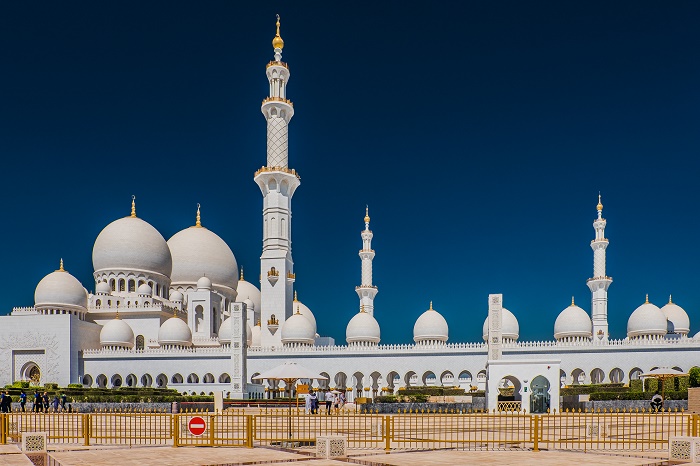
column 204, row 456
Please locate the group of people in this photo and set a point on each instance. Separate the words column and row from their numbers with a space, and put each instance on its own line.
column 41, row 402
column 334, row 401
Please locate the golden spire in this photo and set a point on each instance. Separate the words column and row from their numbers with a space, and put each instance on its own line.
column 117, row 316
column 600, row 204
column 295, row 296
column 258, row 324
column 670, row 301
column 298, row 310
column 431, row 306
column 198, row 223
column 572, row 301
column 362, row 308
column 277, row 42
column 241, row 274
column 646, row 301
column 133, row 206
column 60, row 266
column 366, row 214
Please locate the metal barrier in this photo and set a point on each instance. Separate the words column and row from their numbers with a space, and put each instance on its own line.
column 580, row 430
column 509, row 406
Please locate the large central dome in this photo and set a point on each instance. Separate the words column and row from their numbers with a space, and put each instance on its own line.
column 131, row 244
column 199, row 252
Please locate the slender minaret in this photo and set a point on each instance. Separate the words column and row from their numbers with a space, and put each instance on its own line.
column 277, row 184
column 600, row 282
column 366, row 291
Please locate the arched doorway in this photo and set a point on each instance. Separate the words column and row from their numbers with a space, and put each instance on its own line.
column 539, row 395
column 32, row 373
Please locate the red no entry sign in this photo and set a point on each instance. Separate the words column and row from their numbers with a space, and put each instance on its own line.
column 197, row 426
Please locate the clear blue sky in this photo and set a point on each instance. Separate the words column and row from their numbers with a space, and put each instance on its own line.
column 478, row 132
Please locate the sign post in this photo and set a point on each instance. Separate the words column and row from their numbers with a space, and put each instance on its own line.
column 197, row 426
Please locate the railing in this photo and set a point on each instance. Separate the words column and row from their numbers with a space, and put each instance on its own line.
column 466, row 430
column 509, row 406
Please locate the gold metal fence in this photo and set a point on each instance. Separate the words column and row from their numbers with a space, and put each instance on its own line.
column 461, row 430
column 581, row 430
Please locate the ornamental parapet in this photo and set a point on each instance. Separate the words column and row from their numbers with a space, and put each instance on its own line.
column 29, row 310
column 599, row 278
column 290, row 171
column 365, row 287
column 277, row 63
column 168, row 350
column 277, row 99
column 601, row 240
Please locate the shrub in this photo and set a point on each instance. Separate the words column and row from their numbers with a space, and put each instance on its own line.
column 20, row 384
column 432, row 391
column 386, row 399
column 694, row 377
column 74, row 385
column 669, row 395
column 636, row 385
column 51, row 386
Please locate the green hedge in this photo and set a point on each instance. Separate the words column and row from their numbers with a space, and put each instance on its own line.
column 636, row 385
column 592, row 388
column 694, row 379
column 668, row 395
column 432, row 391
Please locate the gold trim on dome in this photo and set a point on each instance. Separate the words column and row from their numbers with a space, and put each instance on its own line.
column 431, row 306
column 670, row 300
column 646, row 301
column 362, row 308
column 277, row 42
column 60, row 266
column 572, row 301
column 295, row 297
column 133, row 206
column 241, row 274
column 198, row 223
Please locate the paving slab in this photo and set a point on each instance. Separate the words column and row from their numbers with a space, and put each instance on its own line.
column 487, row 458
column 169, row 456
column 9, row 448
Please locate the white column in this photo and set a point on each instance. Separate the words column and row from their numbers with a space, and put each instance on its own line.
column 366, row 291
column 239, row 351
column 600, row 282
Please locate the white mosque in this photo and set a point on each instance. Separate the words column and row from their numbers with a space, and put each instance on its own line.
column 179, row 314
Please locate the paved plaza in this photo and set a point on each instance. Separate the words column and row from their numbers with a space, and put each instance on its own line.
column 10, row 455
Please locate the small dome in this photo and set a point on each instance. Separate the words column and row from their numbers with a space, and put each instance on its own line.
column 256, row 335
column 176, row 297
column 573, row 322
column 144, row 290
column 116, row 332
column 198, row 251
column 102, row 288
column 362, row 328
column 131, row 244
column 510, row 329
column 430, row 326
column 298, row 329
column 247, row 290
column 678, row 320
column 204, row 284
column 647, row 320
column 60, row 290
column 304, row 310
column 174, row 331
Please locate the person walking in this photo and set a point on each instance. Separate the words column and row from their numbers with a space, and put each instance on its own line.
column 37, row 402
column 314, row 403
column 55, row 403
column 330, row 398
column 22, row 400
column 2, row 402
column 64, row 399
column 45, row 401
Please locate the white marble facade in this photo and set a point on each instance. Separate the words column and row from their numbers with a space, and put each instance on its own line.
column 178, row 314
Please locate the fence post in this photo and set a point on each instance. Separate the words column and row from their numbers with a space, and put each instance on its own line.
column 3, row 434
column 536, row 440
column 175, row 423
column 696, row 417
column 87, row 418
column 212, row 421
column 387, row 434
column 249, row 431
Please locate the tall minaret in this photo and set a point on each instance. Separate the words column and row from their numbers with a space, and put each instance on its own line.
column 277, row 184
column 600, row 282
column 366, row 291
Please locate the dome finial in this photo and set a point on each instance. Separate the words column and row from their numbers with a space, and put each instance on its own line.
column 117, row 316
column 646, row 301
column 277, row 42
column 670, row 300
column 600, row 204
column 60, row 266
column 431, row 306
column 198, row 223
column 366, row 214
column 133, row 206
column 572, row 301
column 362, row 308
column 295, row 297
column 241, row 279
column 298, row 310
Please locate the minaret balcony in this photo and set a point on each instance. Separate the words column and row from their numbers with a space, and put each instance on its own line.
column 277, row 63
column 289, row 171
column 277, row 99
column 607, row 279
